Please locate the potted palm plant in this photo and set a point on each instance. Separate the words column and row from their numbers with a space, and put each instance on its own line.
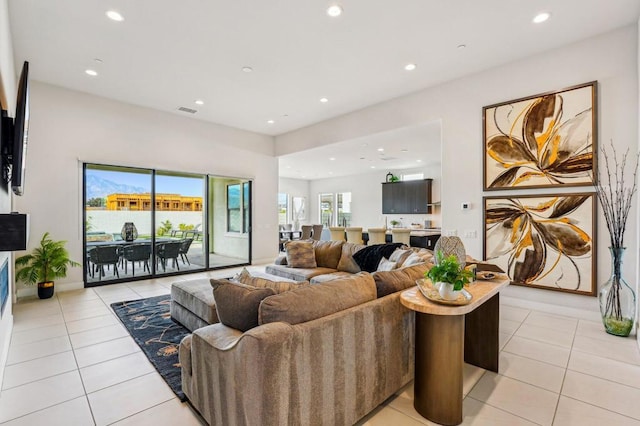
column 448, row 276
column 43, row 265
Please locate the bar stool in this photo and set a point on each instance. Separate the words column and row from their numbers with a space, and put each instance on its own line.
column 377, row 236
column 354, row 235
column 401, row 235
column 337, row 233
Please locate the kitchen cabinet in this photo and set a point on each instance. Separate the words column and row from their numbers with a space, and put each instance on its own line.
column 408, row 197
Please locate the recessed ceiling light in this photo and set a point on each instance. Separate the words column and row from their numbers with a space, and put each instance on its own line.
column 92, row 73
column 247, row 69
column 332, row 158
column 462, row 46
column 324, row 100
column 373, row 167
column 410, row 67
column 330, row 173
column 380, row 149
column 404, row 150
column 541, row 17
column 112, row 14
column 418, row 161
column 288, row 167
column 270, row 121
column 199, row 102
column 334, row 10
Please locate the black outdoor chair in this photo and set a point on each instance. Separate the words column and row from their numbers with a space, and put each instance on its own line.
column 184, row 249
column 170, row 250
column 105, row 255
column 137, row 253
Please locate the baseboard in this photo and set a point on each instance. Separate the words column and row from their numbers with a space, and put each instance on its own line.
column 586, row 314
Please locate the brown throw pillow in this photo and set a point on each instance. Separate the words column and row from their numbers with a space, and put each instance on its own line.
column 300, row 254
column 318, row 300
column 237, row 304
column 328, row 253
column 388, row 282
column 245, row 277
column 347, row 264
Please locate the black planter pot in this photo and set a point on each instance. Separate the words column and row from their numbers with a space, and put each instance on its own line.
column 45, row 290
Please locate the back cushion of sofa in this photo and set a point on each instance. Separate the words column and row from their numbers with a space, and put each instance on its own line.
column 300, row 254
column 347, row 264
column 388, row 282
column 237, row 304
column 318, row 300
column 328, row 253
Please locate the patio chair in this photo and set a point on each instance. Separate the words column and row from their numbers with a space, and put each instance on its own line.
column 184, row 249
column 169, row 250
column 137, row 253
column 105, row 255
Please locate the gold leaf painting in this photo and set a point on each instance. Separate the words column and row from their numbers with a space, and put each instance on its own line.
column 541, row 141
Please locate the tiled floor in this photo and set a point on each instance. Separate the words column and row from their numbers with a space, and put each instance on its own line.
column 72, row 363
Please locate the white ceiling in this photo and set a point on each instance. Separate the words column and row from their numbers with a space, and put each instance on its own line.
column 166, row 54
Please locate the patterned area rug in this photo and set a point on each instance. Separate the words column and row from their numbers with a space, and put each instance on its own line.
column 149, row 323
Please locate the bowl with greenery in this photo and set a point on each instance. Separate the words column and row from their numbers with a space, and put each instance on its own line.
column 448, row 276
column 44, row 264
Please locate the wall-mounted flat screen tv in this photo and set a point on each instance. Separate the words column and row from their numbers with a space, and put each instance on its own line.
column 20, row 132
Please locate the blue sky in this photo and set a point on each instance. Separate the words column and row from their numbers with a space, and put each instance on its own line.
column 187, row 186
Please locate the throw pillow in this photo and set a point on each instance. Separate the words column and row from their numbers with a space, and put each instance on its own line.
column 386, row 265
column 245, row 277
column 369, row 257
column 400, row 255
column 413, row 259
column 318, row 300
column 347, row 264
column 300, row 254
column 237, row 304
column 388, row 282
column 327, row 253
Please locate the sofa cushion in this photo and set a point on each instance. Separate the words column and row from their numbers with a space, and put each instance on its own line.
column 388, row 282
column 369, row 257
column 347, row 264
column 237, row 304
column 400, row 255
column 328, row 253
column 316, row 301
column 264, row 281
column 386, row 265
column 297, row 274
column 319, row 279
column 196, row 297
column 300, row 254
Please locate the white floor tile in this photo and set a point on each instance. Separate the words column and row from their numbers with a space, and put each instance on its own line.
column 71, row 413
column 82, row 305
column 503, row 339
column 105, row 351
column 37, row 369
column 24, row 323
column 555, row 322
column 38, row 349
column 171, row 412
column 476, row 413
column 571, row 412
column 25, row 399
column 602, row 393
column 508, row 327
column 84, row 313
column 99, row 335
column 37, row 334
column 386, row 416
column 530, row 371
column 521, row 399
column 546, row 335
column 91, row 323
column 592, row 329
column 617, row 348
column 118, row 370
column 404, row 406
column 470, row 376
column 615, row 371
column 513, row 314
column 545, row 352
column 126, row 399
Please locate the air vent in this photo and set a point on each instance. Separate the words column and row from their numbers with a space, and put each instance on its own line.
column 189, row 110
column 387, row 158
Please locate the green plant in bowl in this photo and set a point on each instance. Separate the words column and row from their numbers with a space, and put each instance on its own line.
column 448, row 270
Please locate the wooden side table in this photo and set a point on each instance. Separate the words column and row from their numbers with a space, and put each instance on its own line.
column 446, row 337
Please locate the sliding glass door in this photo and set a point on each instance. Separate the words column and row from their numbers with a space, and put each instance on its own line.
column 141, row 223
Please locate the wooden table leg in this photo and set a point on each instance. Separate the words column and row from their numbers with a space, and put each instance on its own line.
column 438, row 367
column 481, row 345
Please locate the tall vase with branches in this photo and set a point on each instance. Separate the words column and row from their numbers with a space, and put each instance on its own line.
column 617, row 299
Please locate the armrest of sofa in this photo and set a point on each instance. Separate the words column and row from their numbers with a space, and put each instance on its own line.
column 281, row 260
column 246, row 373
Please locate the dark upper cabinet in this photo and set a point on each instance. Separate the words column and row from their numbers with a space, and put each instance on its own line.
column 409, row 197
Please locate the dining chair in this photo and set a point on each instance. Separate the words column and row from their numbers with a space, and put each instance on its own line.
column 306, row 232
column 354, row 235
column 317, row 232
column 102, row 256
column 169, row 250
column 401, row 235
column 377, row 236
column 337, row 233
column 136, row 253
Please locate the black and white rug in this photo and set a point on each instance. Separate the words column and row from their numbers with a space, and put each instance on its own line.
column 149, row 323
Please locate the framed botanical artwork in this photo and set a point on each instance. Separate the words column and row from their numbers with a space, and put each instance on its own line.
column 299, row 208
column 541, row 141
column 543, row 241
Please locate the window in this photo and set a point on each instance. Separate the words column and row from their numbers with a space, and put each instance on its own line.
column 326, row 209
column 413, row 176
column 234, row 223
column 344, row 208
column 283, row 205
column 329, row 215
column 245, row 207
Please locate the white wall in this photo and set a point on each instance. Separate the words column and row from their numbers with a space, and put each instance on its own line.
column 69, row 127
column 610, row 58
column 7, row 97
column 366, row 197
column 297, row 188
